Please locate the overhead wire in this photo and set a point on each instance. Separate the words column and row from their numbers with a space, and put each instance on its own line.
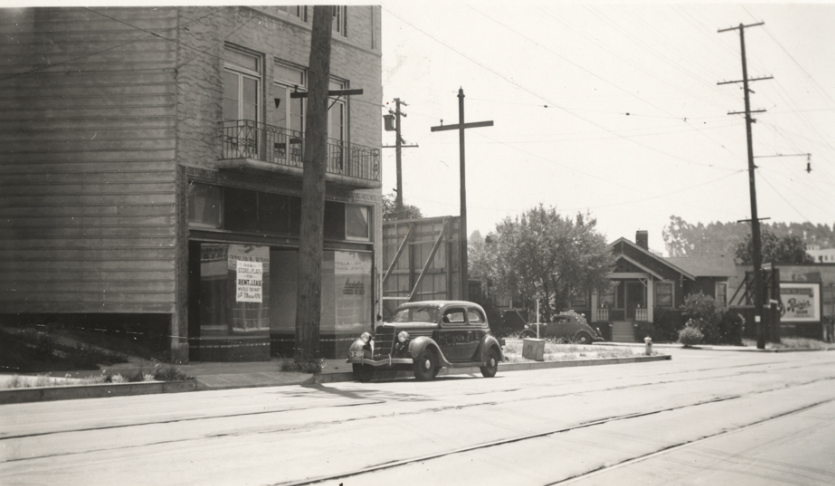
column 523, row 88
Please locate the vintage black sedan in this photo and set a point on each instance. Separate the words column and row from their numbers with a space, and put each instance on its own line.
column 426, row 336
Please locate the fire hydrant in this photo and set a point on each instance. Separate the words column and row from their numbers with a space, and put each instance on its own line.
column 648, row 340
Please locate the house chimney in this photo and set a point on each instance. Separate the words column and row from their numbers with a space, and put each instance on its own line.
column 642, row 239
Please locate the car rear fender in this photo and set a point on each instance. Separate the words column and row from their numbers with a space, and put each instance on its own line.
column 489, row 342
column 421, row 343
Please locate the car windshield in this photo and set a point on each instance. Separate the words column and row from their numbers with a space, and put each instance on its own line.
column 416, row 314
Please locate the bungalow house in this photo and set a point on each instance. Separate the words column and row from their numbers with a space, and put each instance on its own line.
column 643, row 283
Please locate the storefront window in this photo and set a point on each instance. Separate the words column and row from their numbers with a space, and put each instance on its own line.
column 356, row 222
column 346, row 292
column 204, row 205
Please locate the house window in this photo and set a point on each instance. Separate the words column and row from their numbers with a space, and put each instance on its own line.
column 664, row 294
column 357, row 225
column 340, row 24
column 607, row 295
column 722, row 293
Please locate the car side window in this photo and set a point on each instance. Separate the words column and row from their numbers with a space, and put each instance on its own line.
column 455, row 316
column 475, row 316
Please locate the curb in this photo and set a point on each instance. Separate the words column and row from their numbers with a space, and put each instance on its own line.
column 73, row 392
column 47, row 394
column 528, row 366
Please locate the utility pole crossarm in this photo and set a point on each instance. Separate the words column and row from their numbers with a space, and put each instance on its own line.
column 740, row 26
column 441, row 128
column 761, row 78
column 333, row 92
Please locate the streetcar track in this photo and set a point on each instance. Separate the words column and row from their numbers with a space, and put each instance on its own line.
column 581, row 425
column 380, row 402
column 186, row 419
column 684, row 444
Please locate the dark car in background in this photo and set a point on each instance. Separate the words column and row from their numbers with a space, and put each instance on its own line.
column 566, row 327
column 424, row 337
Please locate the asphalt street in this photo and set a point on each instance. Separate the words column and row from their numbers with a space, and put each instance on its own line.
column 705, row 417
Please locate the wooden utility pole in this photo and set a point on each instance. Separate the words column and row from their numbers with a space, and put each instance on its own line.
column 752, row 187
column 309, row 289
column 398, row 201
column 463, row 224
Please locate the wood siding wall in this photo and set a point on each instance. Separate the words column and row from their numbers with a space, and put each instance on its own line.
column 87, row 160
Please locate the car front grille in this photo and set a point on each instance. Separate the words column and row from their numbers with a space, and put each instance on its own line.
column 383, row 340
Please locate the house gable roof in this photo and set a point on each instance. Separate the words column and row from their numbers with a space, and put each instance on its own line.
column 657, row 258
column 706, row 266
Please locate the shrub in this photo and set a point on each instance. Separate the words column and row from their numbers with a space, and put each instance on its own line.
column 730, row 328
column 668, row 323
column 170, row 373
column 647, row 329
column 705, row 315
column 690, row 336
column 289, row 364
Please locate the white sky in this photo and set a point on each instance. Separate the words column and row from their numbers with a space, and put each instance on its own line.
column 677, row 152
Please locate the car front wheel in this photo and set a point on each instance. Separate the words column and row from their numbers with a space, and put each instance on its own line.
column 363, row 373
column 425, row 366
column 583, row 338
column 491, row 364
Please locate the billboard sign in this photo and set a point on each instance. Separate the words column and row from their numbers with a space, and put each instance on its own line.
column 801, row 302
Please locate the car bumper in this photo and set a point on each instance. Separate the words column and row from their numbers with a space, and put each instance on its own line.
column 357, row 358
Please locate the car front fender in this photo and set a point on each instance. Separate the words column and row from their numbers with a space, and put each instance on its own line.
column 421, row 343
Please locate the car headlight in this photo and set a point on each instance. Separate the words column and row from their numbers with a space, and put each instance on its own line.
column 365, row 337
column 403, row 336
column 527, row 326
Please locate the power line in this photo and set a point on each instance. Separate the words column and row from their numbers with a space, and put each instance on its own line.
column 510, row 81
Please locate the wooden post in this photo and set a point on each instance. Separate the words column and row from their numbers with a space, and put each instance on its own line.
column 309, row 289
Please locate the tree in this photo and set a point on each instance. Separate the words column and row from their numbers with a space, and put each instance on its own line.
column 685, row 239
column 309, row 290
column 390, row 212
column 786, row 249
column 543, row 255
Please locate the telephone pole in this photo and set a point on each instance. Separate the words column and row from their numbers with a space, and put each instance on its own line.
column 309, row 289
column 755, row 222
column 463, row 224
column 398, row 202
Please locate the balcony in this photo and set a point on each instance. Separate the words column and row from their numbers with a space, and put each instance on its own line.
column 247, row 144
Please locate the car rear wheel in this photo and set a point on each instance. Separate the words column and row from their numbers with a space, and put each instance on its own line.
column 583, row 338
column 491, row 364
column 425, row 366
column 363, row 373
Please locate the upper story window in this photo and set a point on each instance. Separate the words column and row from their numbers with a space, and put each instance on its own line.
column 241, row 85
column 337, row 112
column 299, row 11
column 290, row 111
column 340, row 23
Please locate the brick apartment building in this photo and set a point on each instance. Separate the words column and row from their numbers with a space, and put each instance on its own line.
column 151, row 173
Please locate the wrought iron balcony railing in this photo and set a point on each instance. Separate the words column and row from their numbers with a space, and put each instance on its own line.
column 247, row 139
